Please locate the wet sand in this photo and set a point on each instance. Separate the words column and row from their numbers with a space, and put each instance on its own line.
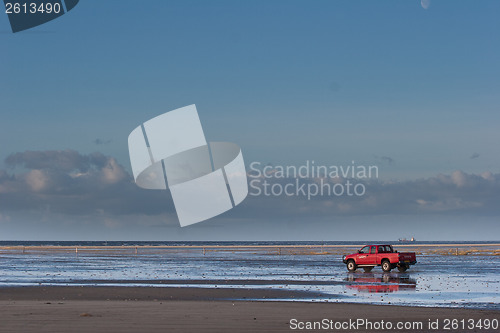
column 142, row 309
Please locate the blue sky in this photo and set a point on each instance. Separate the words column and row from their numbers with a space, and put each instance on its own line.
column 289, row 81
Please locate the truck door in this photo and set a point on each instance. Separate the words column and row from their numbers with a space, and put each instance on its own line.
column 368, row 256
column 362, row 257
column 383, row 251
column 372, row 256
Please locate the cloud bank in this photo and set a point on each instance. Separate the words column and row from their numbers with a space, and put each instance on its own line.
column 72, row 185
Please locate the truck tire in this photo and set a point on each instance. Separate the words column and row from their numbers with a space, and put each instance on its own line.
column 351, row 266
column 386, row 266
column 402, row 268
column 367, row 269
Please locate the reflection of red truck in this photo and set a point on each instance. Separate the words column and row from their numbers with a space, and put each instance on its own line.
column 384, row 284
column 379, row 255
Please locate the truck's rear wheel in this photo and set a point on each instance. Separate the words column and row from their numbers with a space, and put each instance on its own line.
column 403, row 268
column 351, row 266
column 386, row 266
column 367, row 269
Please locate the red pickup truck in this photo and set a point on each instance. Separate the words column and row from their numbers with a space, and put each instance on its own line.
column 379, row 255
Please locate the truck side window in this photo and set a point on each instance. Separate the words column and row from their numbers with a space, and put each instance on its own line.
column 373, row 250
column 366, row 249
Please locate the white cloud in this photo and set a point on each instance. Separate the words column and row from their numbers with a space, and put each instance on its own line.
column 112, row 172
column 459, row 178
column 37, row 180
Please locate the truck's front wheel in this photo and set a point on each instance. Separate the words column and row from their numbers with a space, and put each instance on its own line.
column 386, row 266
column 351, row 266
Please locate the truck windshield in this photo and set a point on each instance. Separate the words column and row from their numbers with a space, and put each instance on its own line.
column 366, row 249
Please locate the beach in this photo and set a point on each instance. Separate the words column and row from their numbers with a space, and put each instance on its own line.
column 148, row 309
column 242, row 288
